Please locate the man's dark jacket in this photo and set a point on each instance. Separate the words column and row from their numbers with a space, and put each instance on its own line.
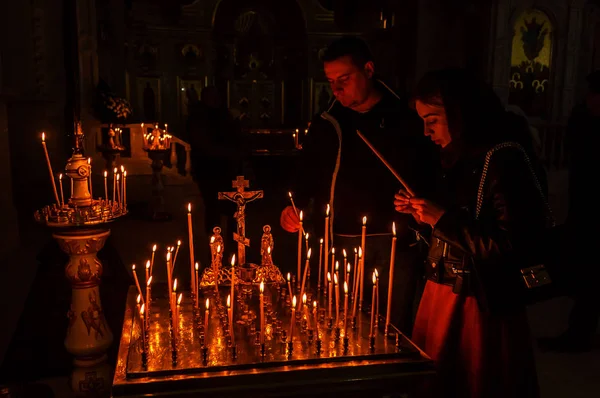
column 339, row 168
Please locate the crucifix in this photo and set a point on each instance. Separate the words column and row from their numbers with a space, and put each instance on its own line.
column 241, row 197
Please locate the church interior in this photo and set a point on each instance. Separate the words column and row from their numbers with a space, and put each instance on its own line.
column 115, row 84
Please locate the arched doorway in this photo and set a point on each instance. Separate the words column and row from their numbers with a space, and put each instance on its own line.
column 261, row 60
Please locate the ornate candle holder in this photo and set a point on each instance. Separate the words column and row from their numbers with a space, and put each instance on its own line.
column 80, row 227
column 112, row 149
column 158, row 146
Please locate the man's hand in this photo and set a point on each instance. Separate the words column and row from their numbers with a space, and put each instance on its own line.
column 289, row 220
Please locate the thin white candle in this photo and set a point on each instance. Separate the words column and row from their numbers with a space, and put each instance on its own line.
column 152, row 260
column 373, row 306
column 391, row 279
column 106, row 186
column 326, row 245
column 306, row 267
column 362, row 260
column 50, row 169
column 62, row 196
column 299, row 274
column 262, row 313
column 320, row 264
column 191, row 244
column 345, row 307
column 337, row 300
column 137, row 282
column 232, row 285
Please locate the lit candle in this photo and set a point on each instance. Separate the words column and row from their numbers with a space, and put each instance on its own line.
column 320, row 264
column 262, row 313
column 376, row 297
column 355, row 271
column 148, row 299
column 347, row 276
column 229, row 315
column 391, row 279
column 345, row 258
column 147, row 271
column 316, row 319
column 332, row 260
column 337, row 270
column 289, row 278
column 114, row 193
column 137, row 282
column 305, row 310
column 373, row 306
column 169, row 275
column 232, row 284
column 90, row 177
column 326, row 263
column 337, row 300
column 106, row 186
column 330, row 298
column 299, row 274
column 362, row 261
column 50, row 168
column 191, row 243
column 62, row 197
column 173, row 302
column 357, row 277
column 293, row 318
column 345, row 307
column 206, row 316
column 124, row 189
column 306, row 267
column 143, row 327
column 293, row 204
column 177, row 312
column 118, row 189
column 152, row 260
column 175, row 256
column 306, row 240
column 195, row 292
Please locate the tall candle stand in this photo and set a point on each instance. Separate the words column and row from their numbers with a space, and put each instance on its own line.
column 158, row 146
column 80, row 226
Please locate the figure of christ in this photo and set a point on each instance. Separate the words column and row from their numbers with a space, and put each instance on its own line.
column 241, row 198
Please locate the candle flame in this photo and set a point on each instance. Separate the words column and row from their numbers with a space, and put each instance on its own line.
column 348, row 267
column 333, row 250
column 133, row 267
column 269, row 250
column 228, row 300
column 360, row 252
column 60, row 176
column 344, row 252
column 394, row 228
column 355, row 250
column 43, row 137
column 335, row 279
column 168, row 256
column 207, row 302
column 300, row 215
column 365, row 220
column 148, row 264
column 262, row 287
column 118, row 175
column 309, row 253
column 294, row 302
column 314, row 304
column 376, row 273
column 327, row 211
column 212, row 239
column 142, row 125
column 189, row 207
column 179, row 298
column 296, row 131
column 289, row 277
column 149, row 281
column 329, row 276
column 233, row 260
column 105, row 173
column 337, row 265
column 125, row 174
column 178, row 243
column 196, row 266
column 321, row 241
column 122, row 167
column 304, row 299
column 175, row 285
column 115, row 170
column 218, row 248
column 374, row 278
column 142, row 308
column 345, row 287
column 89, row 161
column 290, row 194
column 139, row 298
column 306, row 236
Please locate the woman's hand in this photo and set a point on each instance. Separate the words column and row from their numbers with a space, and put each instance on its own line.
column 423, row 210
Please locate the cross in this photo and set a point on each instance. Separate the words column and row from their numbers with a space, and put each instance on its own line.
column 241, row 197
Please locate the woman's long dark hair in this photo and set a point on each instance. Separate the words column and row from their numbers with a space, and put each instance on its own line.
column 476, row 117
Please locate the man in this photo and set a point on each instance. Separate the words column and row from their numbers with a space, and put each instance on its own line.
column 583, row 142
column 339, row 169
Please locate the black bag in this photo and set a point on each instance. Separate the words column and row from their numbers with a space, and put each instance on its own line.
column 520, row 278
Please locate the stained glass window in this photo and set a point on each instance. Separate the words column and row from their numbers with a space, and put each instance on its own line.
column 531, row 63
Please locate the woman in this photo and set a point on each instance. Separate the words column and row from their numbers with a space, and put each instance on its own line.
column 477, row 353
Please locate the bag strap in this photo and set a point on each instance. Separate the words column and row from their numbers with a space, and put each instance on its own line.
column 486, row 164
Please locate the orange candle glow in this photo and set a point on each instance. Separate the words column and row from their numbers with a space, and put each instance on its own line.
column 262, row 313
column 299, row 274
column 326, row 244
column 391, row 279
column 362, row 262
column 191, row 243
column 306, row 268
